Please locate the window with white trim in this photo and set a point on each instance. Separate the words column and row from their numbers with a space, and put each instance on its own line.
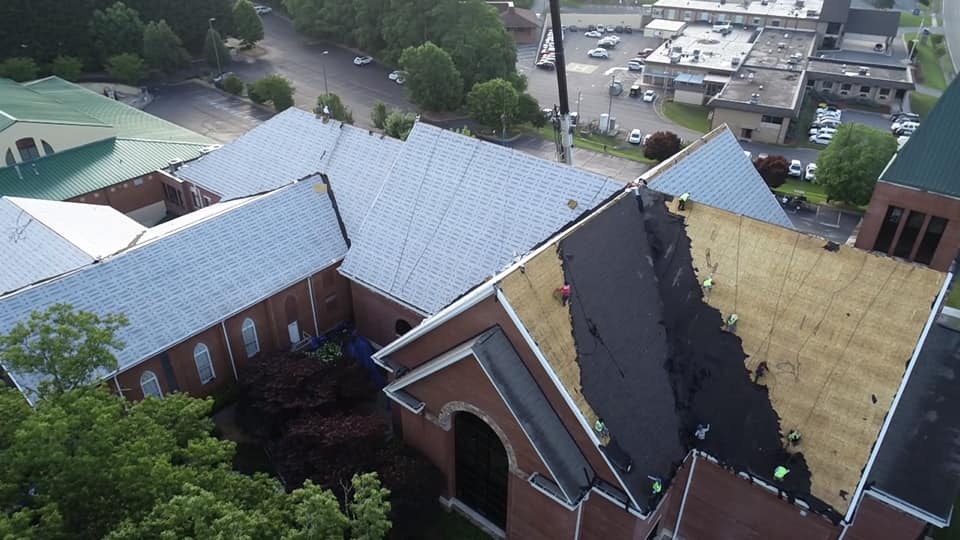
column 149, row 385
column 201, row 356
column 250, row 342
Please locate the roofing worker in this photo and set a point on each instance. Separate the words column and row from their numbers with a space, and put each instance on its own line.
column 600, row 427
column 780, row 472
column 760, row 371
column 793, row 437
column 707, row 286
column 565, row 294
column 656, row 487
column 731, row 323
column 683, row 200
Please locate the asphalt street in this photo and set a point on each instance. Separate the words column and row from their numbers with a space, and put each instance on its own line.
column 200, row 108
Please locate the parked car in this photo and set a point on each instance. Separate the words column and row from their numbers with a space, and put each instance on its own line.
column 394, row 74
column 821, row 138
column 905, row 131
column 218, row 80
column 547, row 64
column 645, row 53
column 635, row 65
column 636, row 137
column 573, row 28
column 901, row 116
column 826, row 122
column 591, row 27
column 636, row 89
column 649, row 96
column 401, row 80
column 906, row 124
column 762, row 156
column 362, row 60
column 598, row 53
column 796, row 168
column 599, row 28
column 646, row 138
column 824, row 113
column 612, row 38
column 607, row 44
column 618, row 29
column 594, row 34
column 262, row 10
column 627, row 29
column 722, row 27
column 609, row 29
column 811, row 173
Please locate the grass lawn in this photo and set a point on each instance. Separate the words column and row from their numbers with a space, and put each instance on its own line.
column 453, row 526
column 909, row 20
column 814, row 192
column 929, row 63
column 689, row 116
column 614, row 146
column 954, row 301
column 922, row 103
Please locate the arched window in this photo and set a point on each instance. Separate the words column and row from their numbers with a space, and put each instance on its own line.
column 250, row 341
column 402, row 327
column 9, row 158
column 47, row 149
column 28, row 149
column 201, row 356
column 149, row 385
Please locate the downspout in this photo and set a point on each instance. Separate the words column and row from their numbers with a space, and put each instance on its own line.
column 686, row 490
column 313, row 308
column 226, row 339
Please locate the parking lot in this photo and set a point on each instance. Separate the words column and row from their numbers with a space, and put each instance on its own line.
column 200, row 108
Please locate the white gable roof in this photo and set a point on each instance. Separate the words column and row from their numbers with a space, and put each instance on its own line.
column 455, row 210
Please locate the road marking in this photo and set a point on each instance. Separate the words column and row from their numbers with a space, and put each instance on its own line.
column 613, row 70
column 581, row 68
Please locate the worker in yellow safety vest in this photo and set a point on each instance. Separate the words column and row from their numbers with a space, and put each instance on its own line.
column 732, row 323
column 682, row 204
column 780, row 472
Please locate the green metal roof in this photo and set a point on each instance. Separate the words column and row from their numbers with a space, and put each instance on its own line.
column 128, row 121
column 74, row 172
column 930, row 160
column 20, row 103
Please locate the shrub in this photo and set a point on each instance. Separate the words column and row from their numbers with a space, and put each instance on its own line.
column 20, row 69
column 276, row 90
column 67, row 67
column 774, row 170
column 662, row 145
column 254, row 96
column 233, row 84
column 127, row 68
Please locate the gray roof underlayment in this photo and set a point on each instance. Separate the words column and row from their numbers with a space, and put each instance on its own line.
column 234, row 257
column 456, row 210
column 716, row 172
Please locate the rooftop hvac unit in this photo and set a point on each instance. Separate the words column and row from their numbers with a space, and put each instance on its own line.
column 781, row 46
column 812, row 13
column 750, row 76
column 755, row 98
column 735, row 61
column 674, row 58
column 676, row 50
column 696, row 53
column 863, row 70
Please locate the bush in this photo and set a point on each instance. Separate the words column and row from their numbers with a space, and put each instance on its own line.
column 333, row 104
column 773, row 170
column 662, row 145
column 529, row 111
column 275, row 89
column 67, row 67
column 233, row 84
column 254, row 96
column 20, row 69
column 127, row 68
column 399, row 124
column 379, row 114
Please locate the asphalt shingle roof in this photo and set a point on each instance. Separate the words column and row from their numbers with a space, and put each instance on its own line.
column 234, row 257
column 718, row 174
column 930, row 161
column 455, row 210
column 20, row 103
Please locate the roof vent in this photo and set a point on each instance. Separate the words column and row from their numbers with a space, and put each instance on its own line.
column 674, row 58
column 812, row 13
column 750, row 76
column 755, row 98
column 735, row 61
column 760, row 87
column 174, row 164
column 863, row 70
column 781, row 46
column 696, row 53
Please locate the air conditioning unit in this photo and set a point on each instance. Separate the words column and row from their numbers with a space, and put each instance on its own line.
column 754, row 98
column 735, row 61
column 863, row 70
column 674, row 58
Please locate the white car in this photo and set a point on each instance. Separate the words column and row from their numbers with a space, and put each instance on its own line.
column 615, row 39
column 649, row 96
column 262, row 10
column 826, row 122
column 598, row 53
column 362, row 60
column 394, row 74
column 834, row 115
column 636, row 137
column 594, row 34
column 811, row 174
column 635, row 65
column 821, row 138
column 401, row 80
column 796, row 168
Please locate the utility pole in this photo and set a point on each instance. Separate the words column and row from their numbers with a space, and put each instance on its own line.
column 563, row 123
column 324, row 66
column 216, row 46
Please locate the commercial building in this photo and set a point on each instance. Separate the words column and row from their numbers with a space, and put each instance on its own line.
column 523, row 24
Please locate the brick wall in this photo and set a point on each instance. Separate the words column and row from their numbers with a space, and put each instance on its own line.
column 875, row 519
column 376, row 315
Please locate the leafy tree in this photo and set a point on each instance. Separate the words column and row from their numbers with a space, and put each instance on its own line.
column 529, row 110
column 333, row 104
column 116, row 30
column 317, row 514
column 369, row 508
column 432, row 80
column 367, row 33
column 67, row 67
column 491, row 101
column 661, row 145
column 127, row 68
column 774, row 170
column 246, row 23
column 477, row 41
column 188, row 18
column 275, row 89
column 19, row 68
column 399, row 124
column 162, row 49
column 850, row 165
column 62, row 347
column 379, row 114
column 215, row 51
column 233, row 84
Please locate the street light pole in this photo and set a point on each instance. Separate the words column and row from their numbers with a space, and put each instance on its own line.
column 216, row 46
column 324, row 66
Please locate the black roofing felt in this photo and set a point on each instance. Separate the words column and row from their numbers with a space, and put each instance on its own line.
column 513, row 380
column 654, row 360
column 919, row 458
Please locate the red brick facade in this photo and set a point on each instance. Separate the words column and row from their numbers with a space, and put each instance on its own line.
column 376, row 316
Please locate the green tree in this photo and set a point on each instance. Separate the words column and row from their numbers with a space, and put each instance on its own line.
column 379, row 114
column 399, row 124
column 188, row 18
column 332, row 105
column 215, row 52
column 478, row 43
column 162, row 48
column 67, row 67
column 528, row 110
column 490, row 101
column 369, row 508
column 850, row 165
column 661, row 145
column 275, row 89
column 63, row 348
column 432, row 80
column 233, row 84
column 317, row 515
column 19, row 68
column 247, row 25
column 127, row 68
column 116, row 30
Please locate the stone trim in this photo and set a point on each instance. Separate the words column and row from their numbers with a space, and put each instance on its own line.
column 444, row 419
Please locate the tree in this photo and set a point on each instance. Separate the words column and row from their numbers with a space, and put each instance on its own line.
column 432, row 80
column 62, row 348
column 379, row 114
column 774, row 170
column 162, row 49
column 332, row 105
column 67, row 67
column 477, row 41
column 215, row 52
column 661, row 145
column 369, row 508
column 850, row 165
column 399, row 124
column 493, row 102
column 246, row 23
column 116, row 30
column 127, row 68
column 233, row 84
column 528, row 110
column 19, row 68
column 317, row 514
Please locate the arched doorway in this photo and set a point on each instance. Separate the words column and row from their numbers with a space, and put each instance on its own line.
column 481, row 468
